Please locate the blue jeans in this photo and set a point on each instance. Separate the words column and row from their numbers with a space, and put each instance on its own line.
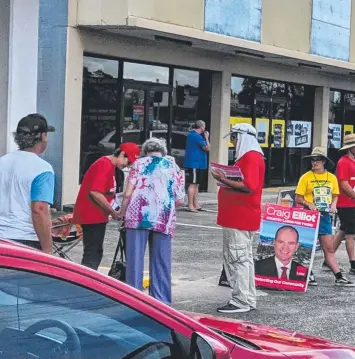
column 159, row 262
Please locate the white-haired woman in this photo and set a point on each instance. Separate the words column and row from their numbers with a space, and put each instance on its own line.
column 155, row 186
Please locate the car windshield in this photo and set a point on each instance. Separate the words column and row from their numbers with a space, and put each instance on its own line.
column 28, row 298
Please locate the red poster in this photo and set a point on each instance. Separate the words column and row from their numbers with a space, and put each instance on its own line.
column 286, row 248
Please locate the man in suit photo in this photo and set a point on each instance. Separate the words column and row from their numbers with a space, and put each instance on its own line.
column 281, row 264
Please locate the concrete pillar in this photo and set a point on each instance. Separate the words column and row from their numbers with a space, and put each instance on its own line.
column 23, row 62
column 72, row 117
column 4, row 73
column 321, row 116
column 18, row 63
column 220, row 113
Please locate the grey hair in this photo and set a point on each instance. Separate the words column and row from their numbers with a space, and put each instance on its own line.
column 154, row 145
column 27, row 140
column 200, row 124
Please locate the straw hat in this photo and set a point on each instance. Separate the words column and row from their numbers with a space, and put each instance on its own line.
column 321, row 152
column 349, row 141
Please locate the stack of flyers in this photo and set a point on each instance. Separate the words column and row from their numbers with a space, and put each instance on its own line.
column 231, row 172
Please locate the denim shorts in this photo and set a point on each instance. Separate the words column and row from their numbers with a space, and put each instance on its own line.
column 325, row 224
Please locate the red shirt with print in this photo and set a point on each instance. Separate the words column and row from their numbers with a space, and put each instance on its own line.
column 243, row 210
column 346, row 172
column 99, row 177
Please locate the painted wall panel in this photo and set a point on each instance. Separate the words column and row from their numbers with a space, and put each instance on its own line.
column 291, row 28
column 333, row 12
column 189, row 13
column 236, row 18
column 352, row 33
column 330, row 41
column 53, row 21
column 331, row 29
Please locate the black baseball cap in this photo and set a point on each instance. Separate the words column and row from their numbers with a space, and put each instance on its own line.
column 34, row 123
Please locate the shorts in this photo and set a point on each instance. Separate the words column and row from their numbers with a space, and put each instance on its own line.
column 347, row 219
column 325, row 225
column 194, row 175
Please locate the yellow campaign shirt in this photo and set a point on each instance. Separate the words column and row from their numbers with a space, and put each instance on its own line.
column 318, row 189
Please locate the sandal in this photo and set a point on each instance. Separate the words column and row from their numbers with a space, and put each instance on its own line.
column 191, row 210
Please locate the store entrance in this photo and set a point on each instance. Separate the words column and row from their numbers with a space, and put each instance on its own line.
column 271, row 115
column 145, row 112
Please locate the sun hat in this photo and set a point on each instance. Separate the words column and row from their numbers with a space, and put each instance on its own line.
column 320, row 152
column 349, row 141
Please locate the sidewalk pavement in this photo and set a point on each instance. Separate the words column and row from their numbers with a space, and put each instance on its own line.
column 269, row 194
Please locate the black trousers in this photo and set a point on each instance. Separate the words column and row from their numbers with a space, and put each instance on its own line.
column 93, row 239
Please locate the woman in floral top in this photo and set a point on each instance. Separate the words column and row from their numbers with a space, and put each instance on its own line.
column 155, row 187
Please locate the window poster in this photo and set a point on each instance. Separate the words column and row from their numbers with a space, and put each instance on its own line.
column 262, row 131
column 348, row 130
column 334, row 135
column 278, row 133
column 299, row 134
column 234, row 120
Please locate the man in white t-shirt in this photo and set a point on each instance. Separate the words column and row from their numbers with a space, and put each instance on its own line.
column 27, row 186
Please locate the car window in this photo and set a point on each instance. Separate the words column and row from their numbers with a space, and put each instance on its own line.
column 40, row 313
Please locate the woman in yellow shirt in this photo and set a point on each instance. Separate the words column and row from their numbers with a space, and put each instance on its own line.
column 318, row 190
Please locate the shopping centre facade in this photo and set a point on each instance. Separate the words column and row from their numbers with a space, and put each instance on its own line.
column 106, row 71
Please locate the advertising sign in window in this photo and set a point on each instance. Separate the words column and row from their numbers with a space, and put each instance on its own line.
column 299, row 134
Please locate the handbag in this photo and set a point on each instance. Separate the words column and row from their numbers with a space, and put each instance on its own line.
column 118, row 266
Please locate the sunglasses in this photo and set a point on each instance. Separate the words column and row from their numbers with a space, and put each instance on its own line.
column 233, row 137
column 317, row 159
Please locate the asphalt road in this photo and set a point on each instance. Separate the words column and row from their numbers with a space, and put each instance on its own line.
column 325, row 311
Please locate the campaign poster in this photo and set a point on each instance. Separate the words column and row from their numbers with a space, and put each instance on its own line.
column 286, row 248
column 262, row 131
column 234, row 120
column 278, row 133
column 348, row 130
column 299, row 134
column 334, row 136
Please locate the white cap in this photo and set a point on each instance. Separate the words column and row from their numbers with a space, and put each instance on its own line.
column 243, row 128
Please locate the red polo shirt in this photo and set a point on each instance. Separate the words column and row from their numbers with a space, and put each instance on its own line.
column 99, row 177
column 243, row 210
column 345, row 172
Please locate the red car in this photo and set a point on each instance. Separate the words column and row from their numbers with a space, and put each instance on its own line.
column 51, row 308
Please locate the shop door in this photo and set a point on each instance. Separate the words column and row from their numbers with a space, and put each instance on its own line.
column 145, row 112
column 270, row 122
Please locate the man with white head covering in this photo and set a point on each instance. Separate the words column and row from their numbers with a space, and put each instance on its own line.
column 239, row 213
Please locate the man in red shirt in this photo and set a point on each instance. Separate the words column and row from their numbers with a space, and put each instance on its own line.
column 345, row 173
column 239, row 213
column 93, row 204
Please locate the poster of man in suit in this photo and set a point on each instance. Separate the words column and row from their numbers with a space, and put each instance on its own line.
column 286, row 248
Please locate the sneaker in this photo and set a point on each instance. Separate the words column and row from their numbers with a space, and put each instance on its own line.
column 352, row 271
column 343, row 282
column 231, row 308
column 312, row 281
column 223, row 283
column 325, row 267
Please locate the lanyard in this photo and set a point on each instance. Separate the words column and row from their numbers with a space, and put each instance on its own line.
column 325, row 181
